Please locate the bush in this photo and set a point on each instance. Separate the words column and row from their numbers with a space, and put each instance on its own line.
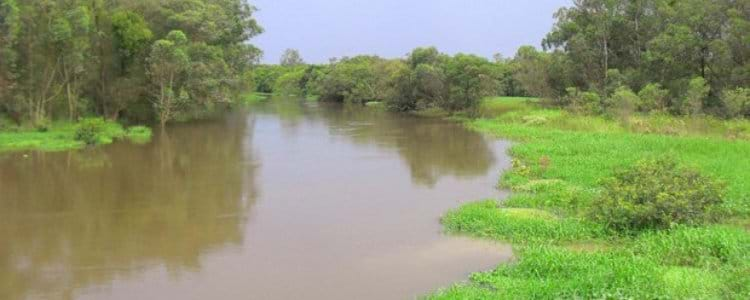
column 697, row 91
column 89, row 129
column 622, row 103
column 583, row 102
column 290, row 84
column 42, row 125
column 736, row 102
column 139, row 134
column 653, row 98
column 656, row 194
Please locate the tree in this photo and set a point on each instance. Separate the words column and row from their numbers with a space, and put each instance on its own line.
column 131, row 36
column 471, row 78
column 168, row 62
column 586, row 32
column 9, row 30
column 64, row 58
column 291, row 57
column 654, row 41
column 532, row 69
column 70, row 32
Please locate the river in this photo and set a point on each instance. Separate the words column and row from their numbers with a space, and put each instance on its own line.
column 289, row 200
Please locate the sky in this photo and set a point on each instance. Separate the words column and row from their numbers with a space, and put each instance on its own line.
column 322, row 29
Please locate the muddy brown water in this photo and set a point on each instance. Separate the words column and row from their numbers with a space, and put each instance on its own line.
column 291, row 200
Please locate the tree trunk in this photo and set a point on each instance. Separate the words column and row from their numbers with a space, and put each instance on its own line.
column 71, row 105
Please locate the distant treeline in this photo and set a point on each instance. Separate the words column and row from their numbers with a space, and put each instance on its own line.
column 425, row 79
column 139, row 59
column 681, row 57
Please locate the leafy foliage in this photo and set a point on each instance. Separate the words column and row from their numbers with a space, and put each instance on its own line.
column 601, row 45
column 656, row 194
column 737, row 102
column 89, row 129
column 291, row 57
column 67, row 58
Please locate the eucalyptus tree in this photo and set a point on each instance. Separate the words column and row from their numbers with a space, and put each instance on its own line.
column 9, row 30
column 70, row 57
column 168, row 63
column 70, row 31
column 291, row 57
column 662, row 42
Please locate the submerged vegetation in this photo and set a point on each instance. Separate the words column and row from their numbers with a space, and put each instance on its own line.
column 599, row 212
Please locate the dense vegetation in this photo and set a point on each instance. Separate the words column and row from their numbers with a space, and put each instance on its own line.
column 425, row 79
column 685, row 57
column 611, row 57
column 639, row 207
column 64, row 135
column 141, row 60
column 590, row 217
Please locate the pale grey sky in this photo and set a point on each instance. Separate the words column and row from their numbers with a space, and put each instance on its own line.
column 321, row 29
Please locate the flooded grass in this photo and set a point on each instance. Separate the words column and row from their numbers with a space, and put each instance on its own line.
column 255, row 97
column 60, row 136
column 558, row 164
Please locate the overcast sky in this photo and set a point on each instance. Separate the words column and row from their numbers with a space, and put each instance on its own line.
column 321, row 29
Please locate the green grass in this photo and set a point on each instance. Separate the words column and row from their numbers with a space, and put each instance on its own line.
column 61, row 136
column 487, row 220
column 496, row 106
column 559, row 160
column 139, row 134
column 254, row 97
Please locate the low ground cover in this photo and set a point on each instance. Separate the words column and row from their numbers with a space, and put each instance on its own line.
column 66, row 135
column 561, row 163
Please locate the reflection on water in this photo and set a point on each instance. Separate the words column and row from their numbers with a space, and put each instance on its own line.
column 293, row 200
column 430, row 147
column 81, row 218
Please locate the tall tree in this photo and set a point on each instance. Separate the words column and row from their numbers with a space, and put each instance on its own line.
column 168, row 63
column 291, row 57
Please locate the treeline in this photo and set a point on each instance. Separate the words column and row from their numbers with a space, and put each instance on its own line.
column 122, row 58
column 425, row 79
column 682, row 57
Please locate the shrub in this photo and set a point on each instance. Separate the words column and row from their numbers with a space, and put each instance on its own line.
column 139, row 134
column 583, row 102
column 653, row 97
column 656, row 194
column 737, row 102
column 290, row 84
column 622, row 102
column 697, row 91
column 89, row 129
column 42, row 125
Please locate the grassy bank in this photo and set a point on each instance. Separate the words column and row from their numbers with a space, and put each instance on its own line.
column 65, row 135
column 254, row 97
column 559, row 161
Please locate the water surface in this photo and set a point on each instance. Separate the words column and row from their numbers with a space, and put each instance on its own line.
column 291, row 200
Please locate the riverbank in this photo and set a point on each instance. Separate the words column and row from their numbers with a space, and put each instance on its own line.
column 559, row 161
column 61, row 136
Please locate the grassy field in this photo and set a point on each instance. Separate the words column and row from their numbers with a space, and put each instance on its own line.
column 62, row 136
column 559, row 161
